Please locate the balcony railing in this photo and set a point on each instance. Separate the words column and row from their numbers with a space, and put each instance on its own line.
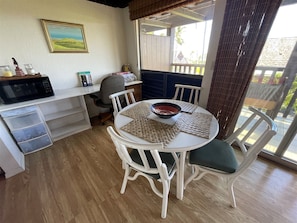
column 268, row 77
column 188, row 68
column 264, row 74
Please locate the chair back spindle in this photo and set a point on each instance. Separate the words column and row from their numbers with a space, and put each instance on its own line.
column 182, row 90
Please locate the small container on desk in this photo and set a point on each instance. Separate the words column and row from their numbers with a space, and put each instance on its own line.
column 29, row 69
column 5, row 71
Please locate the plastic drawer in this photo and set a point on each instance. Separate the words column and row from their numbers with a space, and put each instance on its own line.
column 35, row 144
column 23, row 121
column 29, row 133
column 18, row 111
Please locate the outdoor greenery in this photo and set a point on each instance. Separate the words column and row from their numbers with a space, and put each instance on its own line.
column 178, row 35
column 290, row 95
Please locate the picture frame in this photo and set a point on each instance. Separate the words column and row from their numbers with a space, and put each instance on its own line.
column 64, row 37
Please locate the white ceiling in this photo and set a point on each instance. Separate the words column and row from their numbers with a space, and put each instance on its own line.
column 192, row 13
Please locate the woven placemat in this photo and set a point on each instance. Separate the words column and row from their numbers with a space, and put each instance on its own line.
column 151, row 131
column 140, row 110
column 196, row 124
column 186, row 107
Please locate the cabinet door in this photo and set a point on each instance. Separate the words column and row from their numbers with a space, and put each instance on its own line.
column 153, row 85
column 29, row 133
column 23, row 121
column 137, row 91
column 12, row 160
column 35, row 144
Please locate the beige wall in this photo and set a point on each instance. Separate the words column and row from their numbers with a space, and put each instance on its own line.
column 132, row 42
column 22, row 37
column 110, row 35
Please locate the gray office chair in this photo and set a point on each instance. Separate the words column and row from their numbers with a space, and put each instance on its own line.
column 109, row 85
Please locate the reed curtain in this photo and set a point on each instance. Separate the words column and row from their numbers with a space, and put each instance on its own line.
column 142, row 8
column 246, row 26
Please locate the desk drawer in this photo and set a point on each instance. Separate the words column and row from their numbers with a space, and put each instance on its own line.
column 29, row 133
column 23, row 121
column 137, row 91
column 35, row 144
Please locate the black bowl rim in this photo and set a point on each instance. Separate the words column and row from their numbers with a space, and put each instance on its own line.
column 167, row 103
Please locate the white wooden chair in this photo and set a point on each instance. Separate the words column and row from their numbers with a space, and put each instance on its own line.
column 181, row 90
column 148, row 160
column 122, row 99
column 218, row 157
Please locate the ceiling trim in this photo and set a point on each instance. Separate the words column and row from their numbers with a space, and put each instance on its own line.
column 187, row 14
column 155, row 23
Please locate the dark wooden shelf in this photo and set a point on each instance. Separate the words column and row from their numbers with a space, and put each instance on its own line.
column 19, row 77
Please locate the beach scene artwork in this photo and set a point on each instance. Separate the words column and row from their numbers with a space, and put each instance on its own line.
column 64, row 37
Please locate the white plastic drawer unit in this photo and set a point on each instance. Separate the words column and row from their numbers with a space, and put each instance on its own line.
column 35, row 144
column 23, row 121
column 28, row 128
column 29, row 133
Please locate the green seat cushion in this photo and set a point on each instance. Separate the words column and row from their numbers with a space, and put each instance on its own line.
column 166, row 158
column 217, row 155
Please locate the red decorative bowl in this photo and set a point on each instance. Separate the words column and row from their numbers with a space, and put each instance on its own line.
column 165, row 109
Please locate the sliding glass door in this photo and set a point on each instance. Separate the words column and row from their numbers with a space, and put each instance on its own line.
column 274, row 86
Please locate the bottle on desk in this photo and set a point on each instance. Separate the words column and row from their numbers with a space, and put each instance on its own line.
column 18, row 70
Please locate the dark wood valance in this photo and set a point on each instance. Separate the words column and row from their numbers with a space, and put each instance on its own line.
column 142, row 8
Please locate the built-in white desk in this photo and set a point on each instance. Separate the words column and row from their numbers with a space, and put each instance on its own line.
column 64, row 114
column 59, row 95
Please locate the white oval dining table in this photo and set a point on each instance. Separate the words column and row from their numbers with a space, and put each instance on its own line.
column 182, row 142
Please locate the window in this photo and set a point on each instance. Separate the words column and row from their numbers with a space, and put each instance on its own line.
column 177, row 40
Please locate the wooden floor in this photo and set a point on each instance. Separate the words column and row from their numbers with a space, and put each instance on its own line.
column 78, row 179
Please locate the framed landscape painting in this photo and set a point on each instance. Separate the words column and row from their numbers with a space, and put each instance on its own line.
column 63, row 37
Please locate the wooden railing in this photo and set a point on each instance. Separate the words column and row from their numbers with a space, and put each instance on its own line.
column 268, row 75
column 264, row 77
column 262, row 74
column 188, row 68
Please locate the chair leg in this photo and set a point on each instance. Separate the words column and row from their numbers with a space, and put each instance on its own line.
column 125, row 180
column 231, row 195
column 194, row 174
column 165, row 199
column 197, row 174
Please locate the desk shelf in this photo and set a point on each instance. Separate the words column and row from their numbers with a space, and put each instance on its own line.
column 70, row 129
column 66, row 117
column 61, row 114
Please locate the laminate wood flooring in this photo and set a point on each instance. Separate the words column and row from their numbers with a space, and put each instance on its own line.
column 78, row 180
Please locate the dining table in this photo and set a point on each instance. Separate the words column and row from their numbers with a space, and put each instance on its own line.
column 192, row 128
